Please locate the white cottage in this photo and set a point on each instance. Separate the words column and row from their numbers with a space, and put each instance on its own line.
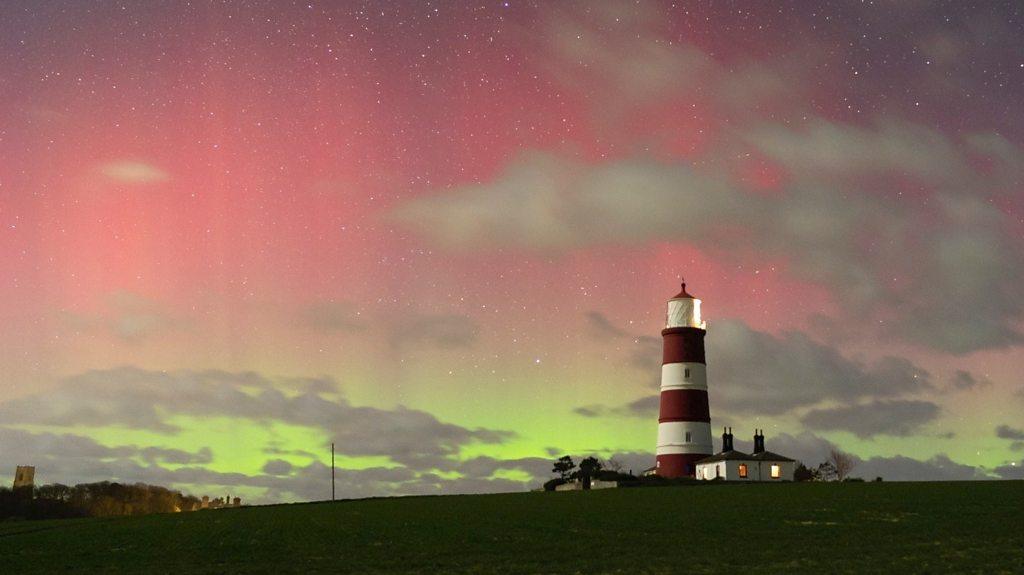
column 732, row 465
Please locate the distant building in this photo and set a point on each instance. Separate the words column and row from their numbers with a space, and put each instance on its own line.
column 25, row 476
column 219, row 503
column 578, row 485
column 732, row 465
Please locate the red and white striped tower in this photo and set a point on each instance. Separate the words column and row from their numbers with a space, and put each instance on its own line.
column 684, row 424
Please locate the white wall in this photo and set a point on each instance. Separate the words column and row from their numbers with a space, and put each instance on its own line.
column 756, row 470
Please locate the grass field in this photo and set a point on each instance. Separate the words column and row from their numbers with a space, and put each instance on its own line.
column 973, row 527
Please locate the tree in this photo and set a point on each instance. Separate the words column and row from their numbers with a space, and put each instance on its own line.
column 825, row 472
column 842, row 461
column 589, row 467
column 802, row 473
column 613, row 465
column 564, row 467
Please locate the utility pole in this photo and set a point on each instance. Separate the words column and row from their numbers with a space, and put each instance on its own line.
column 332, row 471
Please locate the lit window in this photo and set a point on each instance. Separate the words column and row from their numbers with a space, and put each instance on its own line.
column 776, row 472
column 687, row 437
column 743, row 470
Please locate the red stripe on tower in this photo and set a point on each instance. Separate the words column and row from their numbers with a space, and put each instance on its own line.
column 684, row 428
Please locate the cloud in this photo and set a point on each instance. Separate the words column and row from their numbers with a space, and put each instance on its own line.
column 887, row 417
column 840, row 213
column 444, row 331
column 277, row 467
column 143, row 399
column 176, row 456
column 591, row 410
column 331, row 316
column 61, row 455
column 964, row 380
column 646, row 406
column 1014, row 434
column 406, row 333
column 128, row 316
column 599, row 325
column 1013, row 470
column 757, row 372
column 958, row 250
column 133, row 172
column 900, row 468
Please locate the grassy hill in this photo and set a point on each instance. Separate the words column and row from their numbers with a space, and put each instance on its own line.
column 846, row 528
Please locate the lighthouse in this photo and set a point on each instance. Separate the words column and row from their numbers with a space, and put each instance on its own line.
column 684, row 421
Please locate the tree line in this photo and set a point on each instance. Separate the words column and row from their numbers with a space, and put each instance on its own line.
column 103, row 499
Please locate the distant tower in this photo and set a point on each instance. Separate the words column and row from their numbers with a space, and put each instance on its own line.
column 24, row 476
column 684, row 423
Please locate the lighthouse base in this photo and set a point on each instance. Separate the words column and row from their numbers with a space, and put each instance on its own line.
column 673, row 465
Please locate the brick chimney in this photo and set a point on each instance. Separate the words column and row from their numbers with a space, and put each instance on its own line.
column 758, row 441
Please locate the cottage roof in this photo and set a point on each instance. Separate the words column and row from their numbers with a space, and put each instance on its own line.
column 769, row 456
column 732, row 455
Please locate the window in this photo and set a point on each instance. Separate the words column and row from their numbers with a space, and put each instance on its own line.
column 686, row 373
column 743, row 470
column 687, row 437
column 776, row 472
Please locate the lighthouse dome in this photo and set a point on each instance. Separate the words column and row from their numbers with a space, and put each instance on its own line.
column 682, row 292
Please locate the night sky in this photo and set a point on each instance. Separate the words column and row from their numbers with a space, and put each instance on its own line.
column 442, row 236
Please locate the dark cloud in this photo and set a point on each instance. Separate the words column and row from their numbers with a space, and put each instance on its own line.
column 646, row 354
column 332, row 316
column 646, row 406
column 177, row 456
column 144, row 399
column 277, row 467
column 1007, row 432
column 591, row 410
column 964, row 380
column 59, row 454
column 602, row 327
column 444, row 331
column 756, row 372
column 405, row 333
column 538, row 468
column 885, row 417
column 643, row 407
column 1013, row 470
column 900, row 468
